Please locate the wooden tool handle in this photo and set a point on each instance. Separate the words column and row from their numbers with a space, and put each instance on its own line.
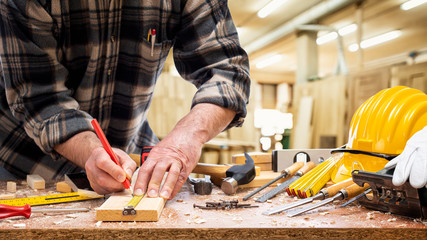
column 306, row 168
column 293, row 168
column 334, row 189
column 354, row 190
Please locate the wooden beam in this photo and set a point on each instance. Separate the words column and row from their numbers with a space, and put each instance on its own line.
column 149, row 209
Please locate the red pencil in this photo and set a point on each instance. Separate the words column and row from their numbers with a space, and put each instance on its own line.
column 108, row 148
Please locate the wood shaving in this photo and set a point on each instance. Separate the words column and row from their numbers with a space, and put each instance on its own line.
column 269, row 201
column 180, row 200
column 19, row 225
column 200, row 221
column 71, row 216
column 187, row 214
column 332, row 222
column 323, row 213
column 369, row 215
column 98, row 224
column 306, row 218
column 391, row 220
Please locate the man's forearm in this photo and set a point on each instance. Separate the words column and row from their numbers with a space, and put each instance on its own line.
column 79, row 147
column 204, row 122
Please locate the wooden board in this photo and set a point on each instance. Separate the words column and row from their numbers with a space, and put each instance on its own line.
column 148, row 210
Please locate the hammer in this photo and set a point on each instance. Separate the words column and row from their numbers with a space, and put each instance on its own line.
column 239, row 175
column 201, row 186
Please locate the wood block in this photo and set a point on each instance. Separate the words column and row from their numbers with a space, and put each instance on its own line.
column 35, row 181
column 149, row 209
column 11, row 187
column 63, row 187
column 263, row 178
column 7, row 196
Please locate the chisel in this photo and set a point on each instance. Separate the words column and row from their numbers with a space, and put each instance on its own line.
column 346, row 193
column 307, row 167
column 367, row 191
column 285, row 173
column 324, row 193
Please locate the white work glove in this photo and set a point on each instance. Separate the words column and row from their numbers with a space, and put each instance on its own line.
column 412, row 162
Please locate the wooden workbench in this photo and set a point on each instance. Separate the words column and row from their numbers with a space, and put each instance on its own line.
column 179, row 220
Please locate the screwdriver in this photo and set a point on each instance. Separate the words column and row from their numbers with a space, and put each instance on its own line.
column 10, row 211
column 346, row 193
column 285, row 173
column 324, row 193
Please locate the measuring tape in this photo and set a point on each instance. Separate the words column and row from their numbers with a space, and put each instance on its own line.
column 48, row 199
column 129, row 209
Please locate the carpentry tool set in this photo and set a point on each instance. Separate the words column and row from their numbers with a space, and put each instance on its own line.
column 202, row 186
column 49, row 199
column 345, row 193
column 238, row 175
column 224, row 205
column 323, row 194
column 401, row 200
column 285, row 174
column 129, row 209
column 25, row 211
column 306, row 168
column 311, row 183
column 22, row 206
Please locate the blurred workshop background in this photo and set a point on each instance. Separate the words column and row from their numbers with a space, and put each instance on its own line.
column 313, row 63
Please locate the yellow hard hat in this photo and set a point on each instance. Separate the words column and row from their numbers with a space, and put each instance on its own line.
column 380, row 129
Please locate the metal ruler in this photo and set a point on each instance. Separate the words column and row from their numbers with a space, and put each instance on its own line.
column 48, row 199
column 129, row 209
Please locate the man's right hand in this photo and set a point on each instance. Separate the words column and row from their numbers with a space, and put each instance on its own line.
column 104, row 175
column 85, row 150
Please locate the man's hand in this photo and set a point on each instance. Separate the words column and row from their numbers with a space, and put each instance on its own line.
column 86, row 151
column 104, row 175
column 180, row 151
column 172, row 156
column 412, row 162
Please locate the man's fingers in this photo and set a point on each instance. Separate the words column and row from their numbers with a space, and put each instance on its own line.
column 157, row 178
column 127, row 163
column 144, row 176
column 105, row 163
column 171, row 180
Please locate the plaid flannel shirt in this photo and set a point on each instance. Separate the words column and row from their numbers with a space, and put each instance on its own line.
column 66, row 62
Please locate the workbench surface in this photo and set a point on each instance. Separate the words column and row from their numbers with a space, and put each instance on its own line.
column 180, row 220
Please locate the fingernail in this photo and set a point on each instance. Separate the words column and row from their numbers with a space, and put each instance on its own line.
column 152, row 193
column 129, row 172
column 164, row 194
column 121, row 178
column 138, row 192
